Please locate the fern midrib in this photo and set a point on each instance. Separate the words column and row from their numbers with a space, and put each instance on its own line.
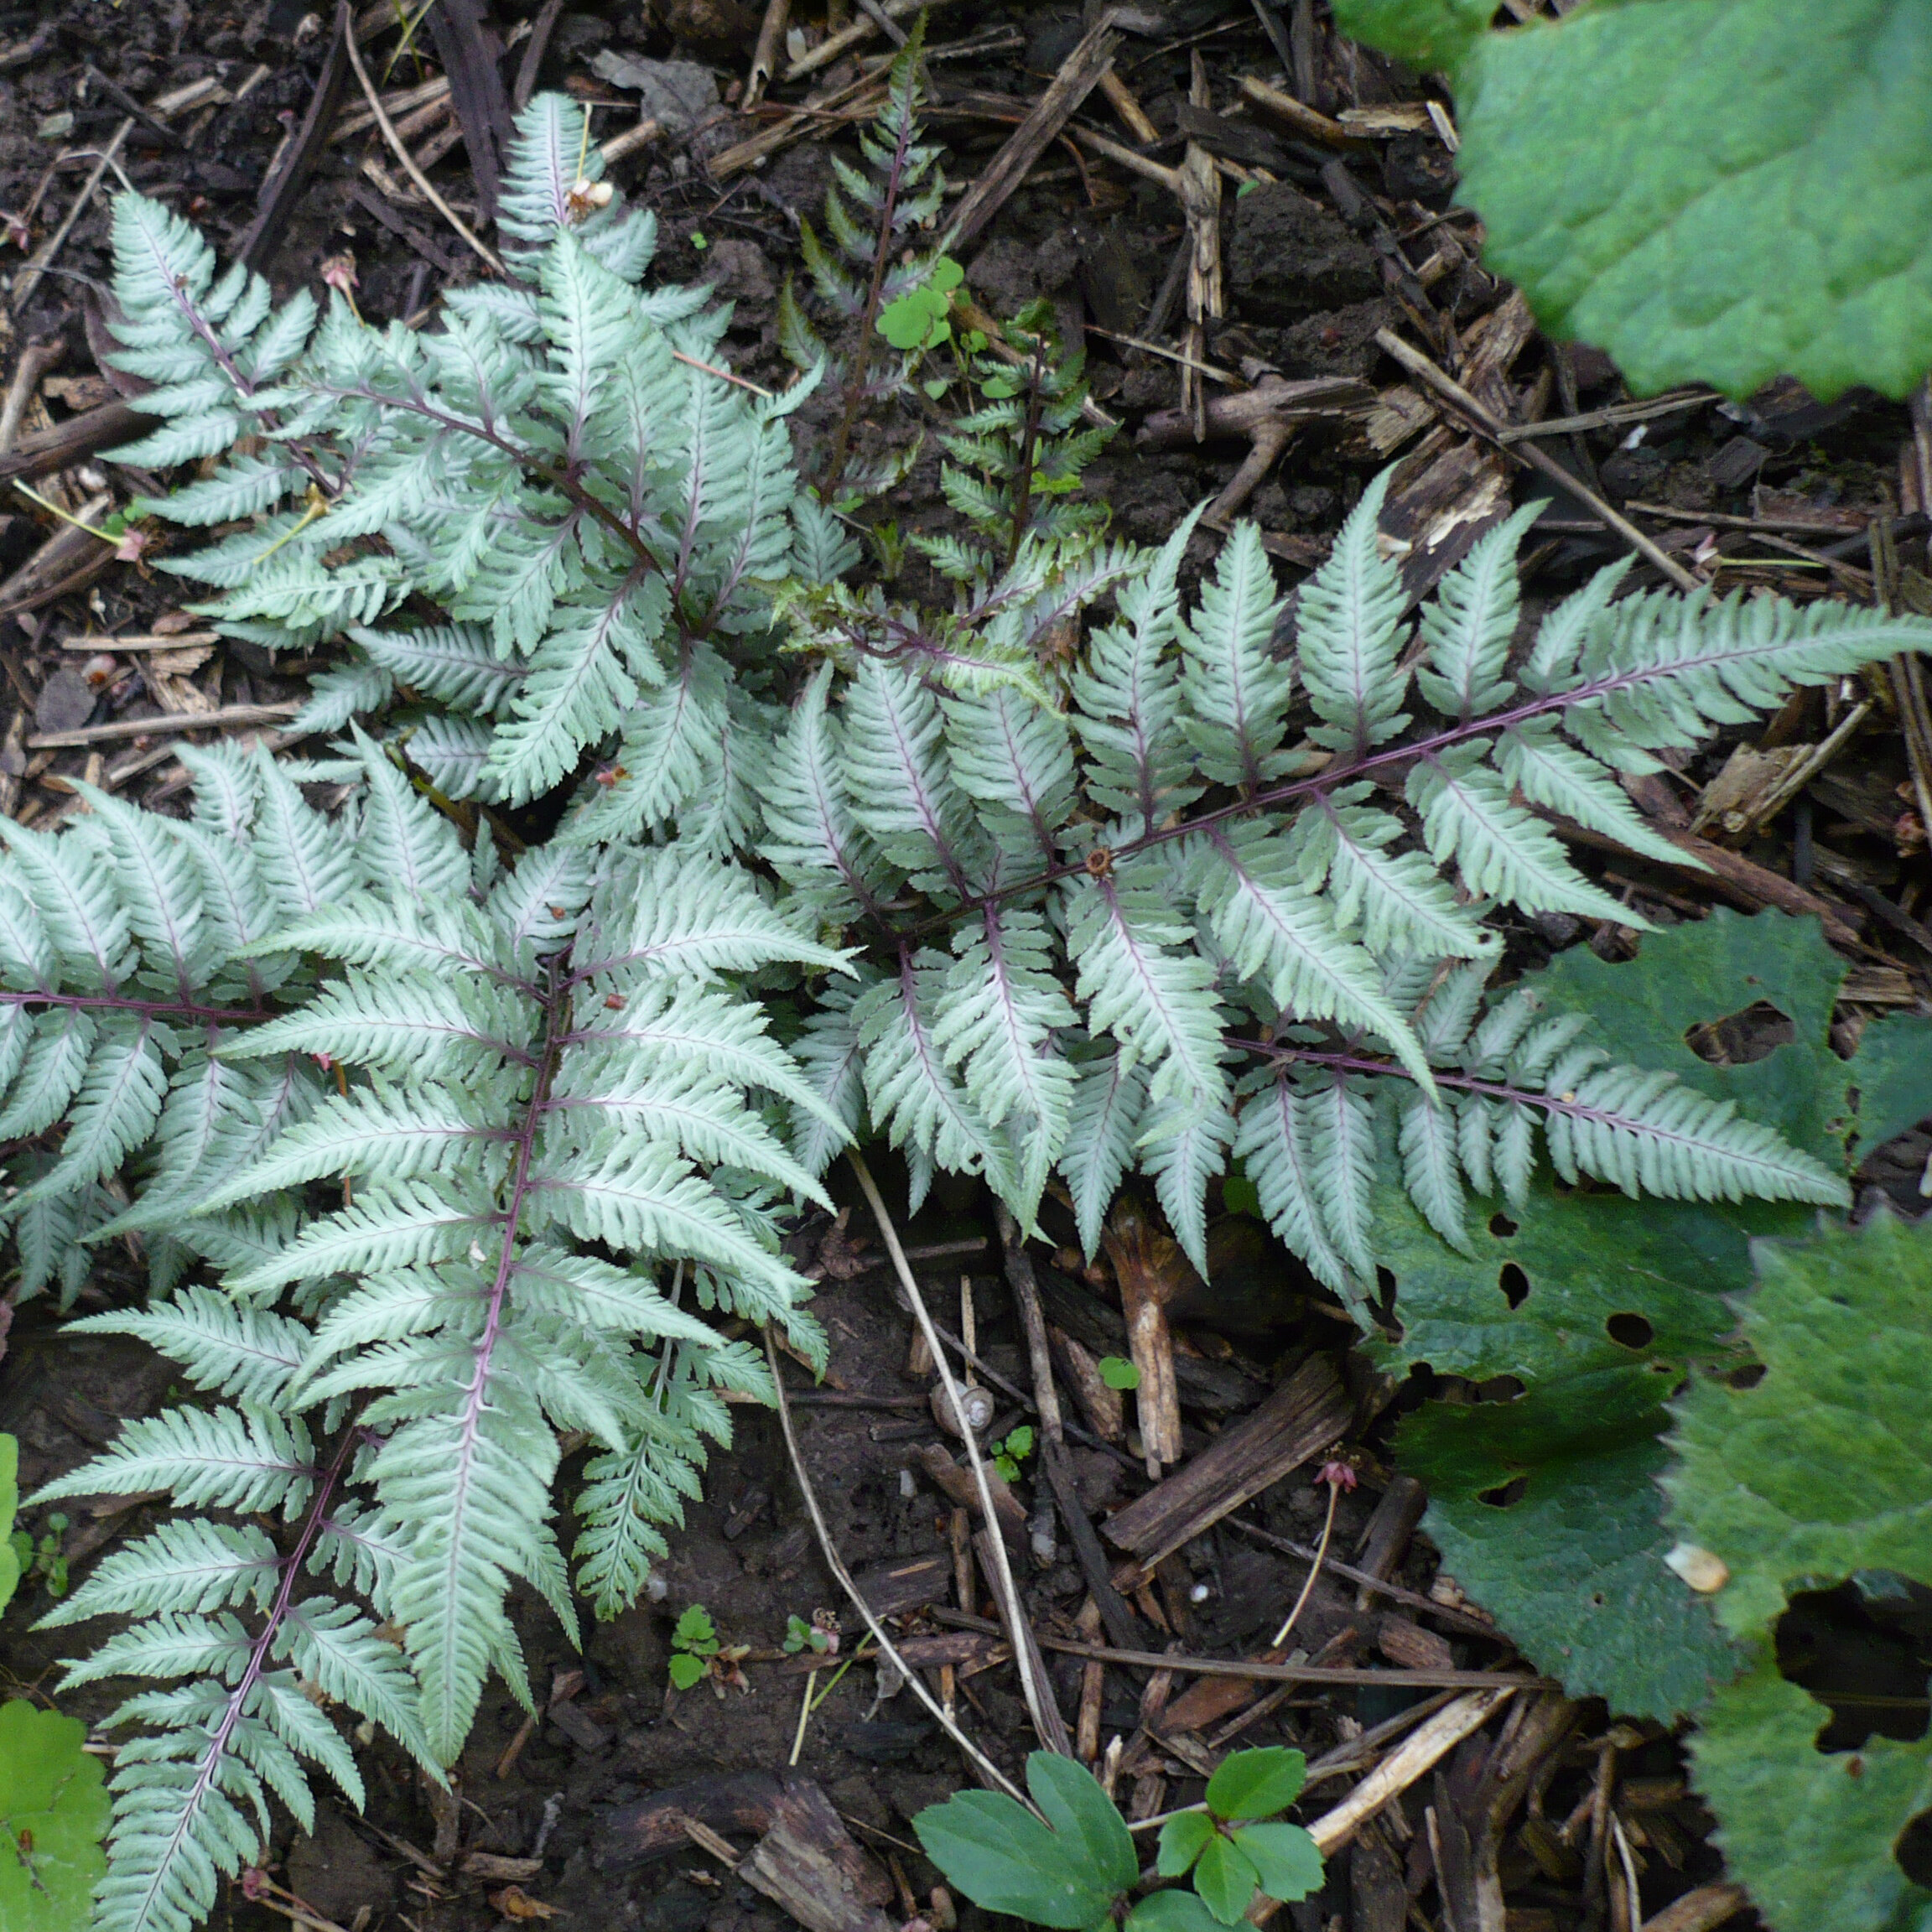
column 565, row 485
column 313, row 1524
column 1325, row 781
column 146, row 1009
column 1462, row 1084
column 555, row 1028
column 245, row 386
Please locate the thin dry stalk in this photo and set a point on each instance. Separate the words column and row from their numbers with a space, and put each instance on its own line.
column 399, row 149
column 1490, row 428
column 1393, row 1776
column 836, row 1564
column 36, row 359
column 1008, row 1592
column 29, row 278
column 765, row 55
column 1314, row 1570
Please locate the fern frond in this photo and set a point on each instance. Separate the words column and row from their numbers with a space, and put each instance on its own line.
column 1349, row 636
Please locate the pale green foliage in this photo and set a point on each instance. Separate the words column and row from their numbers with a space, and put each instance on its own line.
column 447, row 464
column 1083, row 956
column 535, row 1071
column 473, row 1149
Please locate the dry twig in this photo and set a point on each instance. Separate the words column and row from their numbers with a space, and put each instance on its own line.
column 1047, row 1719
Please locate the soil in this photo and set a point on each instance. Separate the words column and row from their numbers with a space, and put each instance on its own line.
column 1307, row 292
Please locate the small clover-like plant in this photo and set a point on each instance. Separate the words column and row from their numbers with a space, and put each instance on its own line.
column 694, row 1646
column 1238, row 1845
column 1118, row 1373
column 819, row 1636
column 41, row 1556
column 919, row 319
column 1008, row 1455
column 1074, row 1866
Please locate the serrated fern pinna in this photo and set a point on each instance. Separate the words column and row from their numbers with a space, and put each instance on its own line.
column 473, row 1147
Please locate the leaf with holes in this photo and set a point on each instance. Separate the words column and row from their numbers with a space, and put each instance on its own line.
column 1820, row 1469
column 1600, row 1305
column 1693, row 1003
column 1545, row 1511
column 53, row 1811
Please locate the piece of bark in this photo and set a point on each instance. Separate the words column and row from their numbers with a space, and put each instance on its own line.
column 1699, row 1911
column 1441, row 511
column 909, row 1584
column 41, row 452
column 283, row 189
column 1385, row 1541
column 796, row 1864
column 1454, row 1857
column 471, row 51
column 1102, row 1407
column 1378, row 1897
column 743, row 1801
column 1079, row 75
column 1404, row 1642
column 959, row 1487
column 1304, row 1415
column 70, row 560
column 1150, row 1269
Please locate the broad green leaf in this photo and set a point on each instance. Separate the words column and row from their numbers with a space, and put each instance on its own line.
column 1080, row 1812
column 1820, row 1469
column 1116, row 1371
column 686, row 1670
column 1183, row 1838
column 1822, row 1466
column 54, row 1800
column 1690, row 975
column 1712, row 190
column 1810, row 1833
column 1175, row 1911
column 1226, row 1879
column 9, row 1504
column 1428, row 33
column 1601, row 1305
column 1573, row 1567
column 1256, row 1784
column 1893, row 1071
column 1288, row 1860
column 992, row 1848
